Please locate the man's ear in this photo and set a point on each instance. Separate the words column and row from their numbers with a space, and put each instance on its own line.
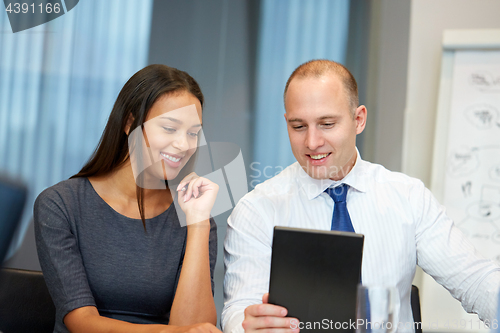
column 286, row 119
column 130, row 120
column 360, row 118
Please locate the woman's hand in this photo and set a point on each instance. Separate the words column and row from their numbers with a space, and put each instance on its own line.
column 88, row 319
column 196, row 196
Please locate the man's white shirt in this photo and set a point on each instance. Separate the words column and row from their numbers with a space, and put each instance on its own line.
column 403, row 224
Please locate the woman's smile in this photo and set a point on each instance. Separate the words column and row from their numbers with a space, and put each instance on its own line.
column 173, row 160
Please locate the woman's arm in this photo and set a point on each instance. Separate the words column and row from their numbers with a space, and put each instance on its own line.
column 87, row 319
column 193, row 301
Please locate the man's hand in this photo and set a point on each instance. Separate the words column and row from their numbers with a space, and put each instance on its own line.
column 270, row 317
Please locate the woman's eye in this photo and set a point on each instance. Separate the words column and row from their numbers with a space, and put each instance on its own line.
column 169, row 129
column 193, row 134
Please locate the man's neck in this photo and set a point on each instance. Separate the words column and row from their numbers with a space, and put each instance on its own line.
column 346, row 169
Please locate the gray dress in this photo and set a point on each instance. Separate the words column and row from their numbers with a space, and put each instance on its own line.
column 93, row 256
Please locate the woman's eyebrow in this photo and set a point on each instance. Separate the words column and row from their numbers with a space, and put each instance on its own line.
column 177, row 121
column 171, row 119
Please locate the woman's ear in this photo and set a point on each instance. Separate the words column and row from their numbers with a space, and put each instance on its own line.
column 130, row 120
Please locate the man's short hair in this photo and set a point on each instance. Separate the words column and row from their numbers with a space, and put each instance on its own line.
column 321, row 67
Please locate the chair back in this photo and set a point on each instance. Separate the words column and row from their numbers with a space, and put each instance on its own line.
column 12, row 199
column 415, row 308
column 25, row 302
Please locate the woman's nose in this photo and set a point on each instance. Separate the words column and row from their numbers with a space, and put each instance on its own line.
column 180, row 142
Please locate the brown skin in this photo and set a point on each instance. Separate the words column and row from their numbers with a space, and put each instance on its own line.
column 320, row 122
column 193, row 309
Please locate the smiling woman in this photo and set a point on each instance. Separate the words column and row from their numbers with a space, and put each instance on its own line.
column 108, row 272
column 170, row 133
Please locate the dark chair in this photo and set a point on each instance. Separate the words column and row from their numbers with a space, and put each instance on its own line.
column 415, row 308
column 12, row 199
column 25, row 302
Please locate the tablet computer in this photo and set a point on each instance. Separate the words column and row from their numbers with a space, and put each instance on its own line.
column 315, row 274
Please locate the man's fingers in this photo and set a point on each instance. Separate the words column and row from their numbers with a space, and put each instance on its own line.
column 260, row 310
column 265, row 298
column 269, row 317
column 280, row 330
column 275, row 322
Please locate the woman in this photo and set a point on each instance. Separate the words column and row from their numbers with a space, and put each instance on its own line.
column 113, row 252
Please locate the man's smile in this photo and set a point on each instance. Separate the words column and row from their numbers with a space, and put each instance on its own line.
column 318, row 158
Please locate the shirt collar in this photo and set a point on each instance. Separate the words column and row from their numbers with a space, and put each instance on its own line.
column 314, row 187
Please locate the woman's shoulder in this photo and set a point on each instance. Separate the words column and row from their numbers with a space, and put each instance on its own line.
column 63, row 194
column 65, row 188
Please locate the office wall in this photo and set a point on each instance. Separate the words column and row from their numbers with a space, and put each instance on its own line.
column 428, row 20
column 386, row 82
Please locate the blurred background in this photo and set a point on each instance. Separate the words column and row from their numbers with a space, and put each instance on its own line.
column 59, row 80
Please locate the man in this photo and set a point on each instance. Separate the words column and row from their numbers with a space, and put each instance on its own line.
column 402, row 222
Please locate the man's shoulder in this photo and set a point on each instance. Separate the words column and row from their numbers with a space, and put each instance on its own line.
column 280, row 183
column 379, row 175
column 275, row 188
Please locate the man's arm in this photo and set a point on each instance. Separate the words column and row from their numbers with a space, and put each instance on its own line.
column 445, row 253
column 247, row 259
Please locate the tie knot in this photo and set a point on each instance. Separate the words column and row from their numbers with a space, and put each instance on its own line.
column 338, row 193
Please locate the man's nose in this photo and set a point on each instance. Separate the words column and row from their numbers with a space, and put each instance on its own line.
column 314, row 139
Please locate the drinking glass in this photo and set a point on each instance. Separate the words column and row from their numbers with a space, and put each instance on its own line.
column 375, row 309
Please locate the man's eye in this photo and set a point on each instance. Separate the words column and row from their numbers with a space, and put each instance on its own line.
column 298, row 127
column 329, row 125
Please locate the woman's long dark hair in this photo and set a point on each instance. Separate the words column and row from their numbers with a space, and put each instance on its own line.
column 136, row 98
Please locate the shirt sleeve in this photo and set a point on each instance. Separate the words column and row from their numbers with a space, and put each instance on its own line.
column 445, row 253
column 247, row 260
column 59, row 255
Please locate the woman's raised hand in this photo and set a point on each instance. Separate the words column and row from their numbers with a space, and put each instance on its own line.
column 196, row 197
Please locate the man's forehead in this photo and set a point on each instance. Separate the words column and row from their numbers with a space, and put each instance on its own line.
column 321, row 79
column 308, row 88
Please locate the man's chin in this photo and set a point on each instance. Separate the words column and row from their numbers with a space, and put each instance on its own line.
column 316, row 172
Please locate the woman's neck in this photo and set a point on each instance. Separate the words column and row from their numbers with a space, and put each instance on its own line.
column 118, row 189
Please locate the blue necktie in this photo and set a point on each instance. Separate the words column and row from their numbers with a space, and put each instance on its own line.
column 341, row 220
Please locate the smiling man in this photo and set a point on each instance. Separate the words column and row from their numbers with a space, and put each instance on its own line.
column 322, row 122
column 402, row 222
